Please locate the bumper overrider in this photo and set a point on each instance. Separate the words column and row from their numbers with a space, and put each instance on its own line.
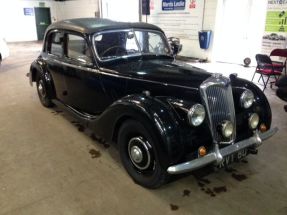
column 218, row 154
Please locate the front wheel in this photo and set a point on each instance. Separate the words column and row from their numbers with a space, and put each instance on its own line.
column 43, row 93
column 139, row 155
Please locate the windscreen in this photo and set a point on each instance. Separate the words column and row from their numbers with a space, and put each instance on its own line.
column 112, row 45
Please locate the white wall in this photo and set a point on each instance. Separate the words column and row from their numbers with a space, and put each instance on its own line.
column 123, row 10
column 191, row 48
column 14, row 25
column 239, row 29
column 212, row 20
column 202, row 18
column 76, row 9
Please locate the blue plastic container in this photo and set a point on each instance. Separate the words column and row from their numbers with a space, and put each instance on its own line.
column 204, row 39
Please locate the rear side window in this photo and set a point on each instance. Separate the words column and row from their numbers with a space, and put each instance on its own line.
column 56, row 44
column 77, row 49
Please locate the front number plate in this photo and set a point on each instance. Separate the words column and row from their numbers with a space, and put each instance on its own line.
column 233, row 158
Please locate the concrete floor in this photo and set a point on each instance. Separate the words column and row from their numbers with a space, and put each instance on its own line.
column 51, row 165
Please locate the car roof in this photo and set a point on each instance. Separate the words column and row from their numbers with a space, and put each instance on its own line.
column 94, row 25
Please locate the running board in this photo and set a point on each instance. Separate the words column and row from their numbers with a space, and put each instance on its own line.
column 83, row 117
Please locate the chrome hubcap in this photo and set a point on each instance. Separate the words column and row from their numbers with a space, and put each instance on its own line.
column 136, row 154
column 139, row 152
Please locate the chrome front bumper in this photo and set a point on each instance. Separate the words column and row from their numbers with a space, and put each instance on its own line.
column 218, row 154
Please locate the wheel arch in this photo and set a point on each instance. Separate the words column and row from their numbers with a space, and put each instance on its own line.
column 35, row 69
column 153, row 114
column 34, row 73
column 38, row 69
column 118, row 125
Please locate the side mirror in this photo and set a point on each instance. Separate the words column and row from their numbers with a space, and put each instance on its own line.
column 175, row 45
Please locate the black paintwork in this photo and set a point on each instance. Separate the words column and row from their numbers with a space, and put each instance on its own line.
column 145, row 88
column 94, row 25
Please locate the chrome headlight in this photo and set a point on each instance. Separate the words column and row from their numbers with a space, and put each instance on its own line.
column 246, row 99
column 196, row 115
column 253, row 121
column 227, row 129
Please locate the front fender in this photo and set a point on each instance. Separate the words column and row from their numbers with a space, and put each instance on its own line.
column 260, row 99
column 157, row 116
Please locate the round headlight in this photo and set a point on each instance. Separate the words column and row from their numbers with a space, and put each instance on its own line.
column 196, row 115
column 253, row 121
column 227, row 129
column 246, row 99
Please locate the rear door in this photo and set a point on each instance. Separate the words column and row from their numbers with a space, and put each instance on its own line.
column 54, row 55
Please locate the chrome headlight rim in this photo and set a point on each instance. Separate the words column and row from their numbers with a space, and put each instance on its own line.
column 227, row 129
column 196, row 115
column 253, row 121
column 246, row 99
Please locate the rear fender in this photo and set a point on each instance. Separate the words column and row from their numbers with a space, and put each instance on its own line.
column 38, row 69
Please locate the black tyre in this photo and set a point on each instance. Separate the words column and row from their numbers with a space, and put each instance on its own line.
column 43, row 92
column 139, row 155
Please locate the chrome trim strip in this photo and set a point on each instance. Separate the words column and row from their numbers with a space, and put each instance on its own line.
column 74, row 66
column 217, row 155
column 114, row 73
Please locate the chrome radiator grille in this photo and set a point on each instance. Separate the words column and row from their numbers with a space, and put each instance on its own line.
column 217, row 96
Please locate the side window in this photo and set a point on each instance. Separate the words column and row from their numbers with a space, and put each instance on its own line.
column 77, row 49
column 56, row 44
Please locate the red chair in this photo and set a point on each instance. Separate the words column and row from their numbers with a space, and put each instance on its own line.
column 277, row 64
column 265, row 68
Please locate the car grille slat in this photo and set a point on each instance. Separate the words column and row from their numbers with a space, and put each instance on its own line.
column 218, row 100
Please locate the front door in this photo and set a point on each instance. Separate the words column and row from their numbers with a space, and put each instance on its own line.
column 85, row 91
column 43, row 20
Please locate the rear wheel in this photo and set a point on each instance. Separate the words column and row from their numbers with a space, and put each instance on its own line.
column 139, row 155
column 42, row 92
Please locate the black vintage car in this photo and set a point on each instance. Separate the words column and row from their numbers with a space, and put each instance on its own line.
column 166, row 117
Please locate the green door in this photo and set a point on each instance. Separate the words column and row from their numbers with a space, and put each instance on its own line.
column 43, row 20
